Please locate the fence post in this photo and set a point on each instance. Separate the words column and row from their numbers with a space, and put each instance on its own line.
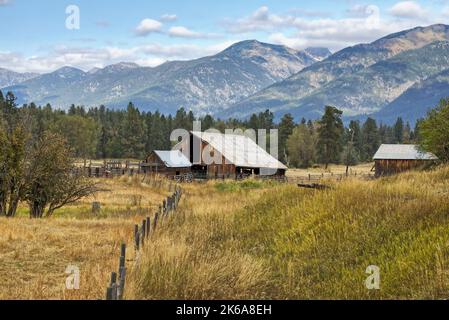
column 148, row 227
column 114, row 285
column 136, row 236
column 122, row 283
column 156, row 218
column 144, row 229
column 109, row 293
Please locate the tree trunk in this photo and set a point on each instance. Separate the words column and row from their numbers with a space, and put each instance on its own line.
column 14, row 202
column 36, row 210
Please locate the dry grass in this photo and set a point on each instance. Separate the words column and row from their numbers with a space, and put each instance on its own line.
column 364, row 168
column 278, row 241
column 34, row 254
column 243, row 240
column 192, row 256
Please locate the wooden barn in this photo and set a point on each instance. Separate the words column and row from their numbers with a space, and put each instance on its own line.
column 169, row 163
column 216, row 155
column 395, row 158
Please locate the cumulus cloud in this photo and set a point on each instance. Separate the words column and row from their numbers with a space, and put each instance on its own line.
column 169, row 17
column 147, row 26
column 408, row 9
column 363, row 23
column 5, row 2
column 86, row 58
column 183, row 32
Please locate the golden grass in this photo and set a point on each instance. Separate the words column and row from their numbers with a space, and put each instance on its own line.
column 363, row 168
column 242, row 240
column 283, row 242
column 34, row 254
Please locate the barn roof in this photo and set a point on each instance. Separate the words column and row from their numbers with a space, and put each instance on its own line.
column 173, row 159
column 240, row 150
column 402, row 152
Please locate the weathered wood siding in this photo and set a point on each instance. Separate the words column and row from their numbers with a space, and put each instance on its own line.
column 389, row 167
column 161, row 168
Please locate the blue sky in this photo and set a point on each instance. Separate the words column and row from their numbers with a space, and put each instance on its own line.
column 35, row 37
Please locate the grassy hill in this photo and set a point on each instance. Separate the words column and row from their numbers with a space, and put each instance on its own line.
column 264, row 240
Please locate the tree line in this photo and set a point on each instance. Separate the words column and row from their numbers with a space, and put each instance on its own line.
column 103, row 133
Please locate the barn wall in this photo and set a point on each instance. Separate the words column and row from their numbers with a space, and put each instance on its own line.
column 389, row 167
column 162, row 169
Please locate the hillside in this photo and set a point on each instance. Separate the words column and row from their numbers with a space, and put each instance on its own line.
column 296, row 94
column 205, row 84
column 282, row 242
column 10, row 78
column 370, row 89
column 414, row 103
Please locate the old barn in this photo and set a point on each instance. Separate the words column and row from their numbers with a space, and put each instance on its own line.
column 395, row 158
column 216, row 155
column 169, row 163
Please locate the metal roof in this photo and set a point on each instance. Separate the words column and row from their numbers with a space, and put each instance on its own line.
column 402, row 152
column 240, row 150
column 173, row 159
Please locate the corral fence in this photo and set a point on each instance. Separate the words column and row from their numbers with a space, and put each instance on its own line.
column 109, row 169
column 142, row 232
column 314, row 178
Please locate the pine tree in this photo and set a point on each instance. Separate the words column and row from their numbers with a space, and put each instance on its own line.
column 399, row 131
column 286, row 127
column 371, row 141
column 330, row 134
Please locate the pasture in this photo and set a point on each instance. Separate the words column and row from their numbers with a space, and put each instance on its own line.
column 249, row 239
column 34, row 253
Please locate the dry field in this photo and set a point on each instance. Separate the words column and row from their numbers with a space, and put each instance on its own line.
column 252, row 239
column 243, row 240
column 360, row 169
column 34, row 254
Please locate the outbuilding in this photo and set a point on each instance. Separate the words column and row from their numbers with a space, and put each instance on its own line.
column 395, row 158
column 169, row 163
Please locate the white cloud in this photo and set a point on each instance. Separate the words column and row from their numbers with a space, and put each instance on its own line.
column 280, row 38
column 86, row 58
column 363, row 23
column 183, row 32
column 408, row 9
column 4, row 2
column 147, row 26
column 169, row 17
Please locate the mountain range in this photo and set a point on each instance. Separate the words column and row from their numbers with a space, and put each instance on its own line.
column 403, row 74
column 362, row 79
column 10, row 78
column 206, row 85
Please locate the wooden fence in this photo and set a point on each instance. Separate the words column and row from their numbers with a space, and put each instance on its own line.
column 142, row 233
column 311, row 178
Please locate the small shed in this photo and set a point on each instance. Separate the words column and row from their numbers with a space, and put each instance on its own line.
column 169, row 163
column 395, row 158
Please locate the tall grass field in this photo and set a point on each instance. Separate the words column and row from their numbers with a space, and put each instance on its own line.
column 250, row 240
column 242, row 240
